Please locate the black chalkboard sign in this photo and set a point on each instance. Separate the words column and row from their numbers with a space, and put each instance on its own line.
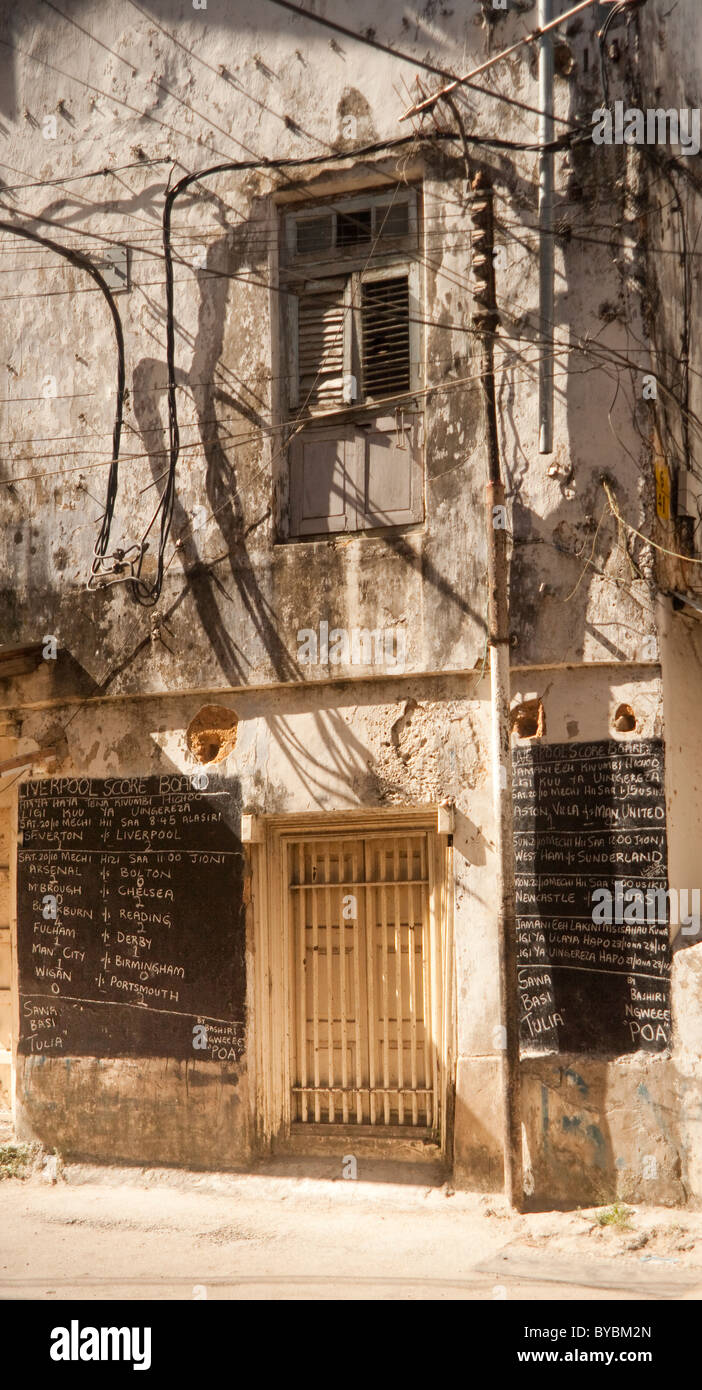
column 592, row 911
column 131, row 936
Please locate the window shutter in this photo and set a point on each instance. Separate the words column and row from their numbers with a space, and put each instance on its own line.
column 389, row 455
column 385, row 346
column 321, row 326
column 320, row 492
column 353, row 338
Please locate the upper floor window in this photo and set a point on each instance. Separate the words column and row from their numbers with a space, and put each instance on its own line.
column 353, row 349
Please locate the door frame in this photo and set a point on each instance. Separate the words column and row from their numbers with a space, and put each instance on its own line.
column 270, row 998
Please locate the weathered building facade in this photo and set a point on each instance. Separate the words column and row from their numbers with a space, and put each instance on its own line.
column 251, row 900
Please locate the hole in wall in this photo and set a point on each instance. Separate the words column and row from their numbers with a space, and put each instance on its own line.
column 528, row 720
column 563, row 58
column 211, row 735
column 625, row 720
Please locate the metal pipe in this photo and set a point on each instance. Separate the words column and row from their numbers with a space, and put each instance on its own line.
column 546, row 245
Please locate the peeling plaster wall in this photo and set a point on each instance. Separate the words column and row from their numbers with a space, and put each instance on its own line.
column 380, row 745
column 671, row 44
column 6, row 1028
column 234, row 598
column 155, row 1110
column 594, row 1127
column 324, row 749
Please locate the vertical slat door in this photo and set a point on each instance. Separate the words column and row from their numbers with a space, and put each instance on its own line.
column 364, row 980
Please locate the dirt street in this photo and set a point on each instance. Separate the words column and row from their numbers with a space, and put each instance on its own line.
column 290, row 1232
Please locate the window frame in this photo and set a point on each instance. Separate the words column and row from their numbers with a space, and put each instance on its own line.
column 354, row 202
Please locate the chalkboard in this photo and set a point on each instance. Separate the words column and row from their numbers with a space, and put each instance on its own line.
column 591, row 817
column 130, row 921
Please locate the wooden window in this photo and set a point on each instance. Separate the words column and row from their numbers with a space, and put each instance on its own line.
column 354, row 339
column 353, row 222
column 313, row 234
column 321, row 478
column 352, row 228
column 390, row 476
column 363, row 475
column 320, row 345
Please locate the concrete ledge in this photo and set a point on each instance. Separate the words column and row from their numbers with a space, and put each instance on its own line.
column 402, row 1146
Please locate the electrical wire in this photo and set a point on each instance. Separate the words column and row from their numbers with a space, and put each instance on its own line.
column 225, row 76
column 688, row 559
column 666, row 169
column 75, row 178
column 604, row 354
column 347, row 155
column 166, row 501
column 149, row 593
column 131, row 558
column 267, row 431
column 615, row 13
column 145, row 592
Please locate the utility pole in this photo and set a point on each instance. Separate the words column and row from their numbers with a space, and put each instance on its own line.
column 485, row 321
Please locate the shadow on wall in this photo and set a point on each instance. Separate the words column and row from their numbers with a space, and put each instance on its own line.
column 564, row 538
column 234, row 596
column 211, row 588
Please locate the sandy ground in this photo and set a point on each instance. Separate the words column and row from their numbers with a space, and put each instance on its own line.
column 287, row 1232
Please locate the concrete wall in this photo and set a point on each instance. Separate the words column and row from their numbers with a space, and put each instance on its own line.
column 595, row 1127
column 233, row 599
column 6, row 1002
column 323, row 749
column 194, row 88
column 671, row 45
column 589, row 1122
